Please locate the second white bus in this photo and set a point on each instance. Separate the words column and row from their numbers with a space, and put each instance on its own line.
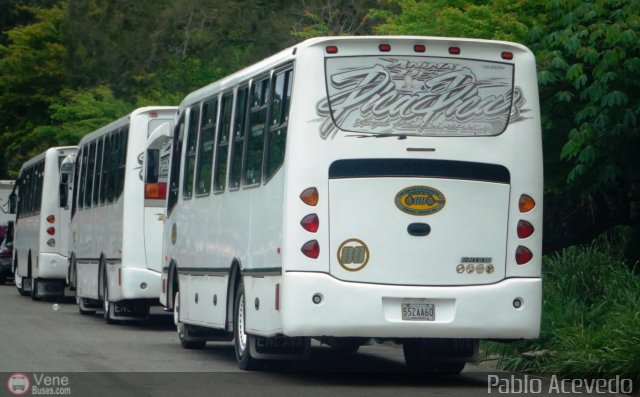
column 116, row 230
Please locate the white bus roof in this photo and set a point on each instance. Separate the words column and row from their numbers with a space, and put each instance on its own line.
column 291, row 52
column 42, row 155
column 122, row 121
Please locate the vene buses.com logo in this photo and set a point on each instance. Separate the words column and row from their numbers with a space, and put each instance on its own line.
column 18, row 384
column 420, row 200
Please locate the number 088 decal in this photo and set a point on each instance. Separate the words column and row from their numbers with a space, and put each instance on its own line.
column 353, row 255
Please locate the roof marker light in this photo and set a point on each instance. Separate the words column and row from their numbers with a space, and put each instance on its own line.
column 331, row 49
column 384, row 47
column 507, row 55
column 454, row 50
column 419, row 48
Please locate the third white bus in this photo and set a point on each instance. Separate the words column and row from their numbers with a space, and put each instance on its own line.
column 352, row 189
column 115, row 231
column 40, row 245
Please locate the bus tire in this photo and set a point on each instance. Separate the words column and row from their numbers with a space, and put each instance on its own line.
column 416, row 360
column 241, row 340
column 73, row 273
column 182, row 328
column 105, row 301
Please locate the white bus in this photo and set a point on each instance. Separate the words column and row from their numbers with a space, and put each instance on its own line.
column 352, row 189
column 116, row 232
column 40, row 243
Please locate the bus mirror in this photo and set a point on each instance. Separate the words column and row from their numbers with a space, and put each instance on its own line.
column 13, row 203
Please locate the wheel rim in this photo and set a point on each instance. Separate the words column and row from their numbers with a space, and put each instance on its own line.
column 242, row 337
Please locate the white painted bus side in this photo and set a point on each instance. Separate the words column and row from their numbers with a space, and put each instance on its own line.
column 40, row 244
column 406, row 206
column 108, row 232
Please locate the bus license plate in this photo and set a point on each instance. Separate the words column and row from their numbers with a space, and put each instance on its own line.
column 418, row 311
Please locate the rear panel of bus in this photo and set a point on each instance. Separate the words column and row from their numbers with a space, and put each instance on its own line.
column 421, row 152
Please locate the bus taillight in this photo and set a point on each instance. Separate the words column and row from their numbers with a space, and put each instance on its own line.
column 523, row 255
column 155, row 190
column 310, row 223
column 310, row 196
column 51, row 231
column 311, row 249
column 526, row 203
column 525, row 229
column 51, row 218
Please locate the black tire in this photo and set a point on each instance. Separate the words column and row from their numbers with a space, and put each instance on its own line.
column 241, row 340
column 106, row 305
column 416, row 360
column 73, row 275
column 182, row 328
column 34, row 290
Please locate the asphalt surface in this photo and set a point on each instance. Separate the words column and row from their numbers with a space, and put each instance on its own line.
column 146, row 359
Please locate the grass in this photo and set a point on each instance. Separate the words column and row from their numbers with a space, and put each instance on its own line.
column 590, row 319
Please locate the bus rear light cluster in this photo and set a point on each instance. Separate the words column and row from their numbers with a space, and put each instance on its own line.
column 311, row 249
column 310, row 223
column 525, row 229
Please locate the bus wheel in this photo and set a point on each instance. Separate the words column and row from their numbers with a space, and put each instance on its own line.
column 242, row 341
column 73, row 275
column 182, row 328
column 417, row 360
column 106, row 303
column 34, row 289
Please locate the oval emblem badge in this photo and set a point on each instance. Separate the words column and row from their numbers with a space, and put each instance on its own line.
column 353, row 255
column 420, row 200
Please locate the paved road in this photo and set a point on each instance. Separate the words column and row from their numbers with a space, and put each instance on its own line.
column 146, row 359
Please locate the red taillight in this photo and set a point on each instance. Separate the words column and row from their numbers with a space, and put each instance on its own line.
column 454, row 50
column 51, row 218
column 310, row 223
column 507, row 55
column 164, row 286
column 384, row 47
column 311, row 249
column 419, row 48
column 51, row 231
column 523, row 255
column 120, row 276
column 331, row 49
column 526, row 203
column 310, row 196
column 525, row 229
column 153, row 114
column 277, row 296
column 155, row 190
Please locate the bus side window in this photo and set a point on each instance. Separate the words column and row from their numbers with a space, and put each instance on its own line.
column 237, row 144
column 278, row 122
column 96, row 187
column 174, row 177
column 190, row 157
column 205, row 146
column 76, row 183
column 255, row 137
column 122, row 160
column 90, row 174
column 222, row 143
column 106, row 165
column 64, row 189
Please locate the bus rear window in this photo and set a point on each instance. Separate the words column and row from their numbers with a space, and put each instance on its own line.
column 420, row 96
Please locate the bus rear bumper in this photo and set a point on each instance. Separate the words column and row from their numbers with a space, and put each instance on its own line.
column 52, row 266
column 373, row 310
column 139, row 283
